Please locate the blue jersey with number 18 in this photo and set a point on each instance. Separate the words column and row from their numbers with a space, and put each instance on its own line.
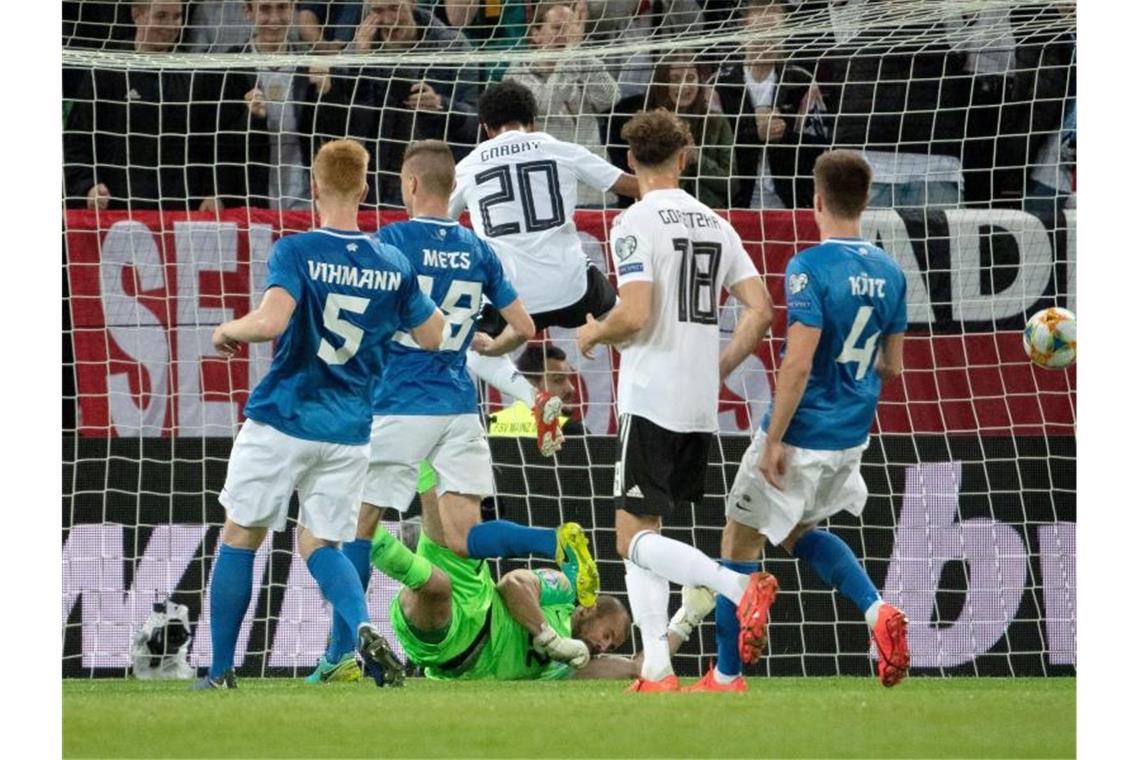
column 456, row 269
column 352, row 293
column 855, row 294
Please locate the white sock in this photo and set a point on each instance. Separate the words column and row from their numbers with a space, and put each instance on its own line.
column 685, row 565
column 722, row 678
column 501, row 373
column 872, row 613
column 649, row 603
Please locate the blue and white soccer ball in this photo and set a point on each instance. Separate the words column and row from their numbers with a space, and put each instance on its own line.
column 1050, row 338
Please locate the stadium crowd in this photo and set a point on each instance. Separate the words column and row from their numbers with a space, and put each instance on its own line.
column 979, row 112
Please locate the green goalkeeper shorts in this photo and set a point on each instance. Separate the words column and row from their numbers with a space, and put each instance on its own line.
column 472, row 591
column 428, row 479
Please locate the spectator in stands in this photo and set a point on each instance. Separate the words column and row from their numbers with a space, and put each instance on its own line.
column 386, row 106
column 266, row 116
column 639, row 21
column 129, row 133
column 986, row 40
column 334, row 21
column 219, row 26
column 572, row 91
column 492, row 24
column 778, row 114
column 678, row 86
column 900, row 95
column 1037, row 147
column 546, row 368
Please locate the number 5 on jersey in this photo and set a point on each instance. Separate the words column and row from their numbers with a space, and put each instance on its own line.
column 352, row 335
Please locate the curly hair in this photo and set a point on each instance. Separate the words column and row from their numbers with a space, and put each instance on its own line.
column 656, row 136
column 507, row 102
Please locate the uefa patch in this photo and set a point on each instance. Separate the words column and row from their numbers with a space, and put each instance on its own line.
column 797, row 282
column 630, row 268
column 625, row 247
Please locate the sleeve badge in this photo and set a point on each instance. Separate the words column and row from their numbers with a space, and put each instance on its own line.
column 625, row 247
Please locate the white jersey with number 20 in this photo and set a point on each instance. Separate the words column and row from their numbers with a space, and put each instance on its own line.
column 521, row 189
column 670, row 371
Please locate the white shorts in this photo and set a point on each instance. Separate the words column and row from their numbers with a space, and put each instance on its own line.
column 455, row 445
column 266, row 466
column 817, row 485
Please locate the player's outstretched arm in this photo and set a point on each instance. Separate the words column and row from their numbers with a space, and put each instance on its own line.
column 520, row 328
column 790, row 383
column 266, row 322
column 889, row 364
column 521, row 592
column 623, row 322
column 696, row 604
column 429, row 334
column 751, row 326
column 626, row 185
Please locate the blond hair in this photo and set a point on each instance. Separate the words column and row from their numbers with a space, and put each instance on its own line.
column 341, row 168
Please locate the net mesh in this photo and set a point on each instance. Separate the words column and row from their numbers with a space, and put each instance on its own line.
column 187, row 143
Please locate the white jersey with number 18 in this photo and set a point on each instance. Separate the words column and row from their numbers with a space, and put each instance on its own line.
column 521, row 189
column 670, row 371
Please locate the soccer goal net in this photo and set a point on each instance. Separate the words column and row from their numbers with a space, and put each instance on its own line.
column 188, row 130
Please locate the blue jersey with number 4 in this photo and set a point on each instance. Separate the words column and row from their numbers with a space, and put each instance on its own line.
column 456, row 269
column 351, row 294
column 855, row 293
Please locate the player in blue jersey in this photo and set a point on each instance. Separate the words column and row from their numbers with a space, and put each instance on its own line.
column 426, row 405
column 846, row 318
column 334, row 297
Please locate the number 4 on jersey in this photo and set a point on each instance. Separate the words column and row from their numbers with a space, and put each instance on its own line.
column 862, row 354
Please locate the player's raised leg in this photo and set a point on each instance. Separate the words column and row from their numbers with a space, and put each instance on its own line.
column 463, row 462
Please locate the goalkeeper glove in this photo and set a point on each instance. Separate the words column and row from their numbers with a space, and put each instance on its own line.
column 696, row 603
column 571, row 651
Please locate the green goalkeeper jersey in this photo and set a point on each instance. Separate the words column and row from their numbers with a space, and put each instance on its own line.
column 481, row 627
column 509, row 655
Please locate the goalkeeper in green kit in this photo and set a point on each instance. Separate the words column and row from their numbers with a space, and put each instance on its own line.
column 453, row 620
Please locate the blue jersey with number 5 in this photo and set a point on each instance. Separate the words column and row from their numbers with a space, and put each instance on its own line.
column 855, row 293
column 351, row 294
column 456, row 269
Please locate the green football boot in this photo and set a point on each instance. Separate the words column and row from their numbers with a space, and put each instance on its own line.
column 345, row 671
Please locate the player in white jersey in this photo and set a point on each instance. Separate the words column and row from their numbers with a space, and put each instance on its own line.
column 521, row 190
column 674, row 257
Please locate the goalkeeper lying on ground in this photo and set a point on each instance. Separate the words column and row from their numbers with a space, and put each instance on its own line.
column 454, row 621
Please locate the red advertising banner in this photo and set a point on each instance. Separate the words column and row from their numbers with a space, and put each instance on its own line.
column 148, row 288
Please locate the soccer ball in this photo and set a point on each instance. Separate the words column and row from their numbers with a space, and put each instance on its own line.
column 1050, row 338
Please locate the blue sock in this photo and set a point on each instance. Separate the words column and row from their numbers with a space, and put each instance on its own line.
column 835, row 563
column 340, row 585
column 231, row 588
column 727, row 626
column 503, row 538
column 343, row 639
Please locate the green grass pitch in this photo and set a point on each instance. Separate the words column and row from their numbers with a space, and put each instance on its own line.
column 784, row 717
